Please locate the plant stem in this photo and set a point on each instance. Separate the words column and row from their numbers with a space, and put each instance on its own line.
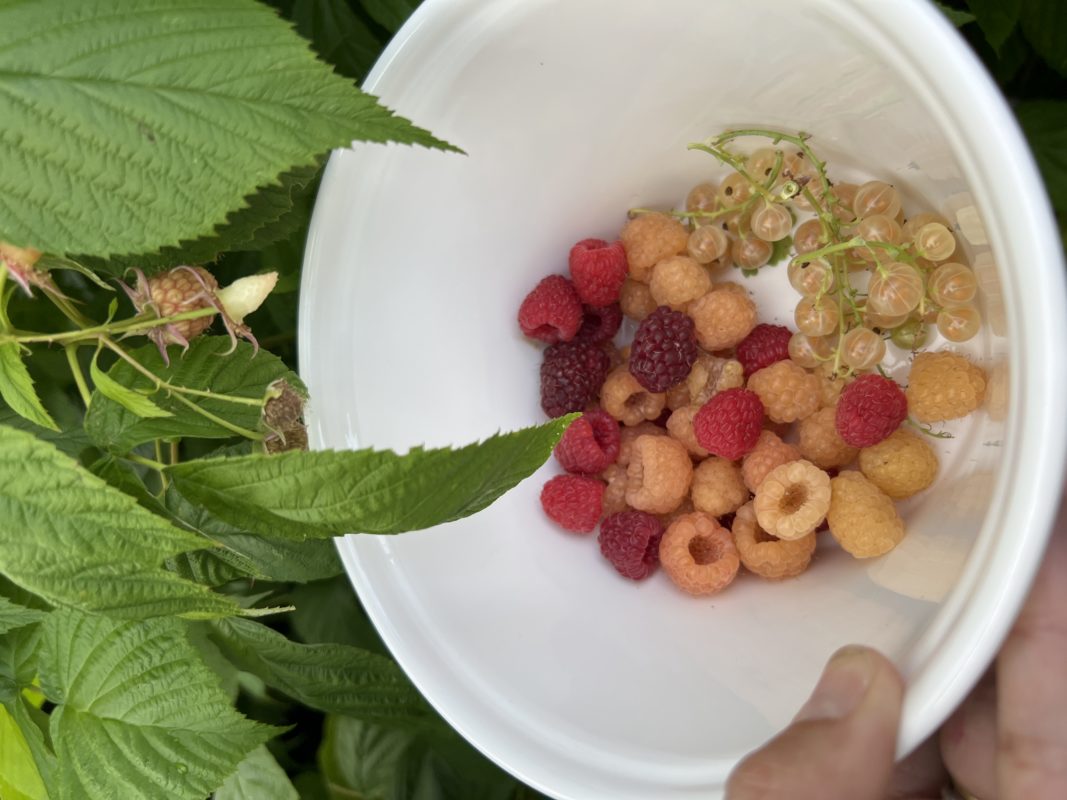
column 76, row 370
column 130, row 326
column 159, row 466
column 163, row 482
column 175, row 455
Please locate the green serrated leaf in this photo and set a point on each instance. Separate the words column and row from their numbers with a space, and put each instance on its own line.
column 268, row 216
column 121, row 150
column 312, row 495
column 955, row 16
column 204, row 367
column 390, row 14
column 338, row 35
column 780, row 251
column 15, row 616
column 330, row 677
column 328, row 611
column 69, row 537
column 50, row 262
column 258, row 777
column 18, row 661
column 996, row 18
column 16, row 387
column 1045, row 24
column 134, row 402
column 138, row 713
column 19, row 776
column 1045, row 124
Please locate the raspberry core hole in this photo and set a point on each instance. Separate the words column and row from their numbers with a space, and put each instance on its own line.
column 762, row 536
column 795, row 496
column 704, row 550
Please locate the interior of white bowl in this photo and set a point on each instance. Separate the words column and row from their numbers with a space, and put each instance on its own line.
column 579, row 682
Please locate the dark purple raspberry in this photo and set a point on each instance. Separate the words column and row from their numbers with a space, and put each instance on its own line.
column 571, row 376
column 599, row 323
column 663, row 350
column 765, row 345
column 630, row 541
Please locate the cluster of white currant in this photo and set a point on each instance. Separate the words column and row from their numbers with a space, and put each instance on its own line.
column 864, row 271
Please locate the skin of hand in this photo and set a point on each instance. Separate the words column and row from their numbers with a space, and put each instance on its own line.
column 1006, row 741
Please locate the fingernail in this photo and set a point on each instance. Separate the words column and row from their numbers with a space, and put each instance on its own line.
column 842, row 686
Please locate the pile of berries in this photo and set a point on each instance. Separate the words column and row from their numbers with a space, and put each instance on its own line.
column 713, row 441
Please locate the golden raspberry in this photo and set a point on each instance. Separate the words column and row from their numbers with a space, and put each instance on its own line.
column 635, row 300
column 830, row 384
column 649, row 238
column 698, row 554
column 710, row 375
column 627, row 400
column 902, row 465
column 627, row 437
column 685, row 508
column 723, row 317
column 680, row 426
column 821, row 444
column 792, row 500
column 766, row 555
column 614, row 499
column 862, row 517
column 717, row 487
column 677, row 280
column 176, row 291
column 730, row 286
column 943, row 386
column 788, row 392
column 770, row 452
column 659, row 474
column 678, row 396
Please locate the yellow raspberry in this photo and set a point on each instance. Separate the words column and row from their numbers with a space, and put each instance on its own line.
column 177, row 291
column 770, row 452
column 678, row 396
column 830, row 384
column 614, row 499
column 718, row 488
column 629, row 434
column 649, row 238
column 902, row 465
column 862, row 517
column 943, row 386
column 821, row 444
column 768, row 556
column 680, row 426
column 792, row 500
column 658, row 475
column 788, row 392
column 710, row 375
column 698, row 554
column 677, row 280
column 627, row 400
column 722, row 317
column 635, row 299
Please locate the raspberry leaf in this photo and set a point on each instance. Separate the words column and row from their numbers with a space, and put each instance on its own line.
column 16, row 387
column 390, row 14
column 996, row 18
column 335, row 678
column 14, row 616
column 72, row 539
column 241, row 374
column 125, row 149
column 134, row 402
column 19, row 776
column 258, row 777
column 138, row 712
column 1045, row 24
column 328, row 493
column 338, row 35
column 1045, row 124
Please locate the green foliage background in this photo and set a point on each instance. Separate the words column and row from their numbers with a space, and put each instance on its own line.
column 164, row 672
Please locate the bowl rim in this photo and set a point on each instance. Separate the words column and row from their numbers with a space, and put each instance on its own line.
column 967, row 630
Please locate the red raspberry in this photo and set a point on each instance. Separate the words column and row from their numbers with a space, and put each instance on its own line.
column 598, row 270
column 663, row 350
column 630, row 541
column 573, row 502
column 552, row 312
column 729, row 424
column 571, row 376
column 765, row 345
column 599, row 323
column 590, row 444
column 870, row 408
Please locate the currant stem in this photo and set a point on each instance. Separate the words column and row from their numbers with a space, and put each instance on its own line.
column 76, row 370
column 158, row 466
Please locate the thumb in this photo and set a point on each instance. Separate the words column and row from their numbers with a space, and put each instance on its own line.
column 841, row 744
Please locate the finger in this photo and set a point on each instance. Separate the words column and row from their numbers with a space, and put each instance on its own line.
column 841, row 744
column 969, row 741
column 1032, row 694
column 921, row 774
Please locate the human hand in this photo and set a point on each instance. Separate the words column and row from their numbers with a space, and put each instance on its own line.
column 1006, row 741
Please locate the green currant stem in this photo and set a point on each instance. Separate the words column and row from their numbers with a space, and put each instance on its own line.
column 76, row 370
column 927, row 430
column 836, row 247
column 730, row 160
column 721, row 212
column 800, row 140
column 178, row 392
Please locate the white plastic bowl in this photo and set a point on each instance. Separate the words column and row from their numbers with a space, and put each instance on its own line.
column 581, row 683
